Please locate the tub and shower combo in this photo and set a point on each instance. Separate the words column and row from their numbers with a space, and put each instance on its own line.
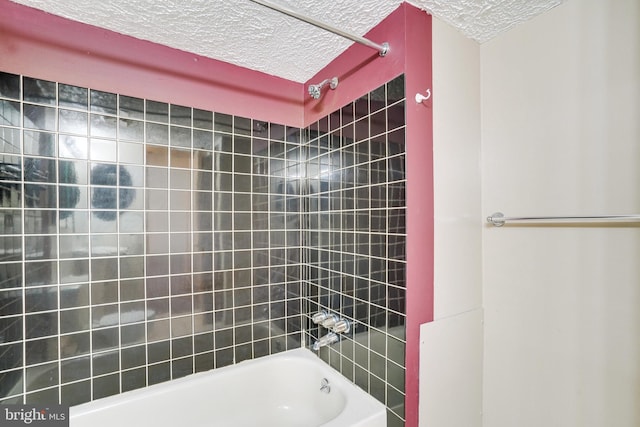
column 290, row 389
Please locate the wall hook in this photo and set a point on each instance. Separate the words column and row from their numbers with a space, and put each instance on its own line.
column 421, row 98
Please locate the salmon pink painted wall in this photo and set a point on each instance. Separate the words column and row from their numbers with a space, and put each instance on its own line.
column 359, row 70
column 84, row 55
column 419, row 164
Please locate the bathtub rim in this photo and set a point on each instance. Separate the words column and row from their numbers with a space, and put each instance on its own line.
column 373, row 408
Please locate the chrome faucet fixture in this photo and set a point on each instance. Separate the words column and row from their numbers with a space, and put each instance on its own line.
column 324, row 386
column 335, row 324
column 330, row 321
column 319, row 317
column 325, row 340
column 341, row 326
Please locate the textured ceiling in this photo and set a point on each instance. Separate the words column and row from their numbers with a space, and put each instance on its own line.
column 249, row 35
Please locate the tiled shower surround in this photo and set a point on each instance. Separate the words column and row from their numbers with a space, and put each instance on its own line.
column 142, row 241
column 355, row 235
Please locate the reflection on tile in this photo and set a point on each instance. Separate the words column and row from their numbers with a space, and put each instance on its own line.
column 157, row 112
column 202, row 140
column 74, row 122
column 74, row 246
column 75, row 369
column 72, row 96
column 105, row 363
column 42, row 376
column 73, row 147
column 36, row 273
column 74, row 295
column 39, row 91
column 131, row 130
column 9, row 85
column 106, row 386
column 102, row 150
column 9, row 140
column 133, row 357
column 180, row 137
column 180, row 115
column 76, row 393
column 74, row 271
column 223, row 122
column 41, row 350
column 158, row 330
column 74, row 320
column 131, row 107
column 157, row 156
column 157, row 134
column 241, row 125
column 157, row 200
column 11, row 327
column 104, row 339
column 131, row 289
column 202, row 119
column 41, row 325
column 41, row 299
column 157, row 265
column 132, row 334
column 103, row 102
column 39, row 144
column 179, row 158
column 103, row 126
column 131, row 267
column 12, row 247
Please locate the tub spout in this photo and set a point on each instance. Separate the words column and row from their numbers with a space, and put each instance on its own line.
column 329, row 338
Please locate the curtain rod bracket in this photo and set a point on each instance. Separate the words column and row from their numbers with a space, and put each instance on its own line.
column 385, row 49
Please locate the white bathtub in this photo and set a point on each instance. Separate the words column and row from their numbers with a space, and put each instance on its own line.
column 283, row 390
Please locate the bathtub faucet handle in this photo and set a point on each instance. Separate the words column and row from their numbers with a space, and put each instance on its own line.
column 319, row 317
column 330, row 321
column 341, row 326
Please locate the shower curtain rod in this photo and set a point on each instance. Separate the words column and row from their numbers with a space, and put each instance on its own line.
column 498, row 219
column 382, row 49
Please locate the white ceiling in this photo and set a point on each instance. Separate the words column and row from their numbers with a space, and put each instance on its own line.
column 249, row 35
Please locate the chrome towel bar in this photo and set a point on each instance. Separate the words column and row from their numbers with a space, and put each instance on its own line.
column 498, row 219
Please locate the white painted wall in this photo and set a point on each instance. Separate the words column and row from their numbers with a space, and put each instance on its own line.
column 451, row 346
column 561, row 135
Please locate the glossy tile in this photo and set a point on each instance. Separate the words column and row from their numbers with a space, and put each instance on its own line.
column 72, row 96
column 136, row 213
column 103, row 102
column 39, row 91
column 10, row 85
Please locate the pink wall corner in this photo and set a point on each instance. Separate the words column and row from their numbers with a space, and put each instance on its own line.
column 419, row 148
column 46, row 46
